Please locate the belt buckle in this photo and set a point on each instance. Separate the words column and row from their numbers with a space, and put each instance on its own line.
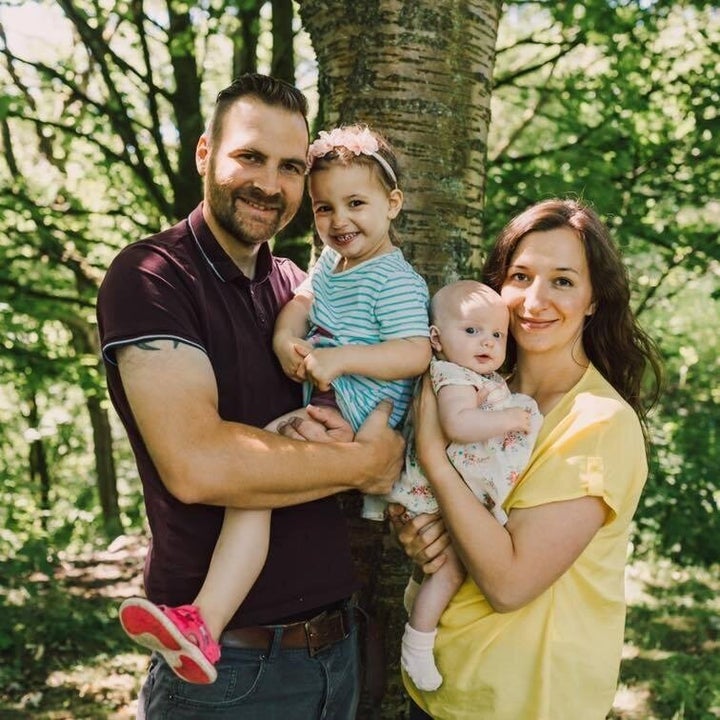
column 314, row 649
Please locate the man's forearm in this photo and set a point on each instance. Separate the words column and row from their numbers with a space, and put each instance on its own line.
column 245, row 467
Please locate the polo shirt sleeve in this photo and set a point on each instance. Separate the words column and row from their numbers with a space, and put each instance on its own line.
column 598, row 450
column 146, row 295
column 401, row 308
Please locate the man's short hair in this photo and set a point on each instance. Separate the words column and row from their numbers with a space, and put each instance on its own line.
column 272, row 91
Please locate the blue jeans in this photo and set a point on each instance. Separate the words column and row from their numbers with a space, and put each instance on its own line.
column 258, row 685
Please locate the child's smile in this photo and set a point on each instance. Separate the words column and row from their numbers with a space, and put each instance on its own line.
column 353, row 211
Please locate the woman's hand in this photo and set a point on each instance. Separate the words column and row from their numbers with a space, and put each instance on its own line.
column 423, row 537
column 430, row 441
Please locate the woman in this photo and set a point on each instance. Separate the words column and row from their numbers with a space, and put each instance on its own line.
column 536, row 630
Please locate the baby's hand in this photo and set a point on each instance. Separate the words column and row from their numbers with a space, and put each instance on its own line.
column 519, row 419
column 291, row 353
column 481, row 395
column 322, row 366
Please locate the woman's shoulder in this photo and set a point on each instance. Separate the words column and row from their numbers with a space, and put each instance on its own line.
column 595, row 394
column 595, row 402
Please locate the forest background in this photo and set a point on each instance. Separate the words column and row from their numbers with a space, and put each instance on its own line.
column 492, row 106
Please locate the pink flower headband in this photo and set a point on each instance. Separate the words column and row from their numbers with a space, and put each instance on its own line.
column 358, row 142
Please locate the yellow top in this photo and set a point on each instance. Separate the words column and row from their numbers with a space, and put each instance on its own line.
column 556, row 658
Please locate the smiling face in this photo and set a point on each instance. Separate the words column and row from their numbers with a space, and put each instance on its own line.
column 254, row 173
column 549, row 293
column 353, row 211
column 470, row 326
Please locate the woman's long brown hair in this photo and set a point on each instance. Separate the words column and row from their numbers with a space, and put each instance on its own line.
column 612, row 338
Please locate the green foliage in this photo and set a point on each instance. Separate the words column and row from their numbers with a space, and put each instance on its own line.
column 678, row 516
column 617, row 103
column 72, row 515
column 49, row 627
column 672, row 640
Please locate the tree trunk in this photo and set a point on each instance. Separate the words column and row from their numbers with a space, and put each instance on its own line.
column 39, row 470
column 246, row 40
column 105, row 467
column 185, row 99
column 421, row 73
column 283, row 55
column 291, row 242
column 85, row 343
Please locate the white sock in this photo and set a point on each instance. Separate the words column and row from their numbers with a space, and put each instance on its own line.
column 416, row 657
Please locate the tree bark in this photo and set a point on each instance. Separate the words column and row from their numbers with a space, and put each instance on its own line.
column 246, row 41
column 420, row 72
column 85, row 343
column 39, row 470
column 105, row 467
column 186, row 98
column 283, row 55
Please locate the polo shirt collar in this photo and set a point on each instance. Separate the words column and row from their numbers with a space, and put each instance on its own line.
column 219, row 262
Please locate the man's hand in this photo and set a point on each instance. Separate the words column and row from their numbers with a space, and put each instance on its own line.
column 326, row 424
column 423, row 537
column 385, row 446
column 382, row 448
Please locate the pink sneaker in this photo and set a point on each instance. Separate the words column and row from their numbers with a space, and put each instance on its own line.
column 179, row 634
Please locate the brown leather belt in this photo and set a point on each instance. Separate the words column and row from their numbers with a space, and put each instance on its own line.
column 315, row 634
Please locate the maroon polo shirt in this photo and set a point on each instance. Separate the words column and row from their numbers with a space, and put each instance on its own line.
column 180, row 284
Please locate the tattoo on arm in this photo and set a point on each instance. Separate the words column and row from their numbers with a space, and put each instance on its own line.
column 148, row 345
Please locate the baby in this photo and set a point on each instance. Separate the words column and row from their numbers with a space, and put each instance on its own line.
column 491, row 432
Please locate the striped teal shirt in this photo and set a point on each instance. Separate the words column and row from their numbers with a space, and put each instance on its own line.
column 378, row 300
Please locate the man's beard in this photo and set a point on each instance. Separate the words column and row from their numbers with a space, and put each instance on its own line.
column 231, row 219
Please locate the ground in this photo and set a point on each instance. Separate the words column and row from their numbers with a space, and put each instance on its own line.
column 74, row 661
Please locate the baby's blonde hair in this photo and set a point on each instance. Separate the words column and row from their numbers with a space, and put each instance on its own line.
column 450, row 297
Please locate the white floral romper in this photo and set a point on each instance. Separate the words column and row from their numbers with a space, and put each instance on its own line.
column 490, row 467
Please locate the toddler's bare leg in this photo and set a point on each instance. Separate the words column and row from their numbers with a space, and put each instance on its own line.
column 236, row 562
column 238, row 558
column 418, row 641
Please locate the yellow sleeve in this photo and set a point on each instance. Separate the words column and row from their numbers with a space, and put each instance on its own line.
column 596, row 449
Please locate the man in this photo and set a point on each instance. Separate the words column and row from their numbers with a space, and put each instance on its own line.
column 186, row 320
